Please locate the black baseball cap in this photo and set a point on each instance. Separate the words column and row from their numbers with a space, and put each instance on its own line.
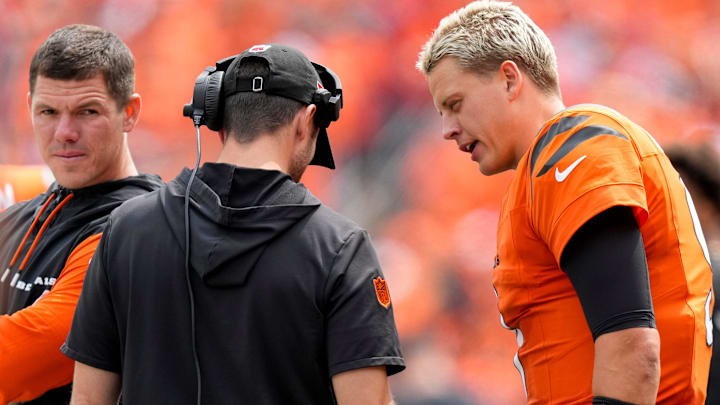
column 292, row 76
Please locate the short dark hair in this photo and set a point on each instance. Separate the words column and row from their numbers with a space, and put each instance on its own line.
column 248, row 114
column 79, row 52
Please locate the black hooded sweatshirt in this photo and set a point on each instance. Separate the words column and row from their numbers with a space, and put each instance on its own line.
column 29, row 268
column 287, row 293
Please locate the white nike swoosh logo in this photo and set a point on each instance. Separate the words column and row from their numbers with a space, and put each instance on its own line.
column 560, row 176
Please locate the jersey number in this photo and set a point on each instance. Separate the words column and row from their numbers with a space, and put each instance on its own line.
column 701, row 239
column 521, row 341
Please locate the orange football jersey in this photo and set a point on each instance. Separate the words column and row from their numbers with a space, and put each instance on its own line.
column 585, row 160
column 19, row 183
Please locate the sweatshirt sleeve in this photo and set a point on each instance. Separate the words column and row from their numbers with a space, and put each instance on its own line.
column 30, row 339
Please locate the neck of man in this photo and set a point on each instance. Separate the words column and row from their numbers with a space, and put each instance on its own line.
column 127, row 165
column 538, row 108
column 266, row 151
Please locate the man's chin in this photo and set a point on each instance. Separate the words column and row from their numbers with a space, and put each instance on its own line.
column 71, row 181
column 487, row 170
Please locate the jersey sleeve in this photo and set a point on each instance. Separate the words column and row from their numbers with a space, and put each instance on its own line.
column 30, row 339
column 93, row 337
column 361, row 328
column 582, row 172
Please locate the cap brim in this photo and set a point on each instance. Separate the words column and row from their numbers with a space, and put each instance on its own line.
column 323, row 154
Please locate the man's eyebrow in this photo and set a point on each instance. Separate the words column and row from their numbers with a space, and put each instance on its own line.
column 450, row 96
column 92, row 103
column 42, row 106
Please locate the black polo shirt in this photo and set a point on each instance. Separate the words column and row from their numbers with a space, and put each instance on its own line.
column 287, row 294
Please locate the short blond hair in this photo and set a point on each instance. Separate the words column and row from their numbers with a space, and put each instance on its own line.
column 483, row 34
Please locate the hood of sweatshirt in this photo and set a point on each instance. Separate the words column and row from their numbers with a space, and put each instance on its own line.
column 37, row 235
column 235, row 213
column 101, row 198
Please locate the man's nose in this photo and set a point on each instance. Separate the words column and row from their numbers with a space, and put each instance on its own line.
column 66, row 130
column 450, row 128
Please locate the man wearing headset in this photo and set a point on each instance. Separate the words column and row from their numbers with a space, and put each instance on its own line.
column 279, row 300
column 82, row 105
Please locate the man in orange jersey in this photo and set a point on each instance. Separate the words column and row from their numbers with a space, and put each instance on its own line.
column 20, row 183
column 82, row 104
column 602, row 270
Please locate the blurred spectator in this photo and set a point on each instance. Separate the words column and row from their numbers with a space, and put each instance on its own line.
column 699, row 167
column 20, row 183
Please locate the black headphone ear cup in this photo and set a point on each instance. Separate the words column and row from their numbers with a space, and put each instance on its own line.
column 196, row 108
column 214, row 101
column 322, row 116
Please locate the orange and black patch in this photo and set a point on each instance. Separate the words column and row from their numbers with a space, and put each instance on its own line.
column 381, row 290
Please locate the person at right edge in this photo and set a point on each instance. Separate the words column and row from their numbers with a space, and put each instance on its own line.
column 602, row 270
column 284, row 302
column 699, row 167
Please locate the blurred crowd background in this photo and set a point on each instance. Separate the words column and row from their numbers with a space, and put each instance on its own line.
column 430, row 213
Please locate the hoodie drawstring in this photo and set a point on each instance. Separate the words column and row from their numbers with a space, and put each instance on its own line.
column 42, row 229
column 17, row 252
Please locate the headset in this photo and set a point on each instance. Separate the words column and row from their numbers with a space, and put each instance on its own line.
column 207, row 105
column 206, row 108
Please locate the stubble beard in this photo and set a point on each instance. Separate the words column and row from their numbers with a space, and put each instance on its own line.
column 300, row 162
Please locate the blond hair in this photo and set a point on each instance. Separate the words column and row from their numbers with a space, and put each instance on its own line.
column 483, row 34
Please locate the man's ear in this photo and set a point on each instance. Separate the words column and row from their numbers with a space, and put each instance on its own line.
column 306, row 125
column 29, row 101
column 513, row 77
column 131, row 112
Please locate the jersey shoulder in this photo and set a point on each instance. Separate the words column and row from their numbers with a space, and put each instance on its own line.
column 577, row 131
column 585, row 160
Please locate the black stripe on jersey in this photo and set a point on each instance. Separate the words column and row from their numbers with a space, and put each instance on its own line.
column 576, row 139
column 564, row 124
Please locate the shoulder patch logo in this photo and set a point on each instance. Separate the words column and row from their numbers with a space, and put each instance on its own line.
column 381, row 291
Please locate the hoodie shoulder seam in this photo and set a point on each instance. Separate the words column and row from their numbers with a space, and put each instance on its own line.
column 344, row 243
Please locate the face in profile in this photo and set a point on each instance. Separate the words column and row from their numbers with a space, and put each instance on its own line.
column 475, row 114
column 80, row 130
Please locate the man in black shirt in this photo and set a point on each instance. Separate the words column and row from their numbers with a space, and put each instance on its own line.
column 280, row 300
column 82, row 104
